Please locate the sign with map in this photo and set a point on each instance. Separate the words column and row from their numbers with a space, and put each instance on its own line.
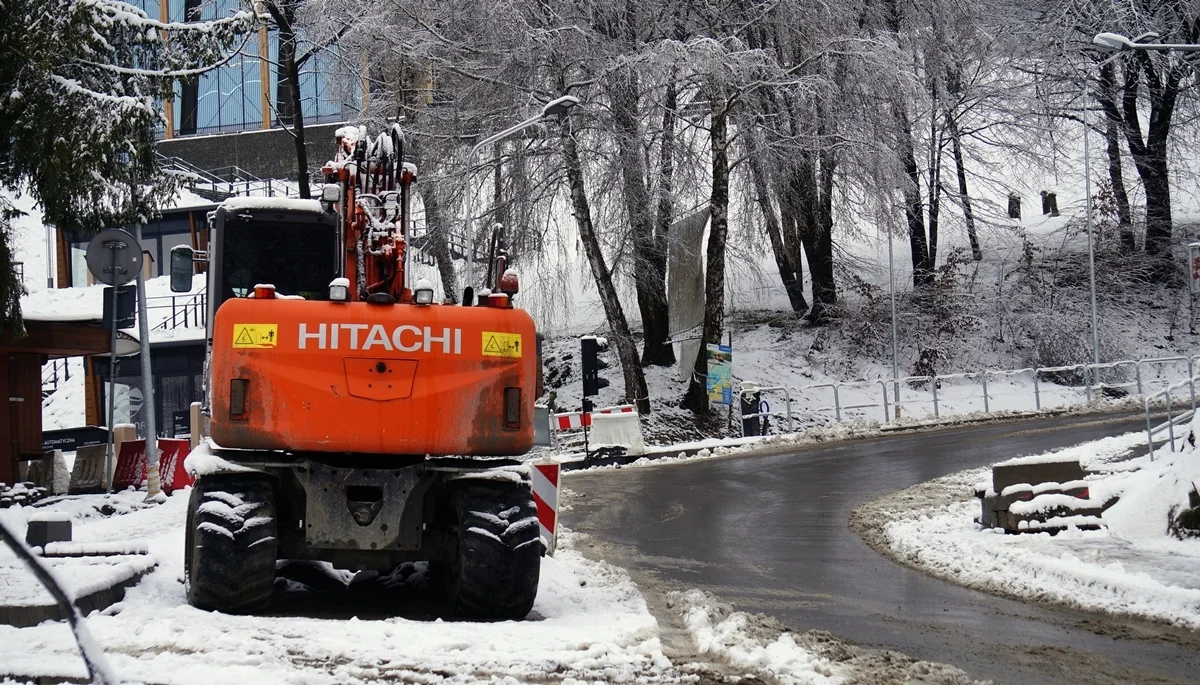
column 720, row 374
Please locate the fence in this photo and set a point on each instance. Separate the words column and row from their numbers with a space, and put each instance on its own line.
column 1075, row 383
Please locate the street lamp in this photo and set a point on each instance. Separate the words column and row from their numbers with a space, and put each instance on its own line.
column 554, row 108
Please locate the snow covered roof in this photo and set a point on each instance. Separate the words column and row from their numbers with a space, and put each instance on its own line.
column 277, row 203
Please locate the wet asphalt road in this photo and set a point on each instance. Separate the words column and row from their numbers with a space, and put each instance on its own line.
column 769, row 534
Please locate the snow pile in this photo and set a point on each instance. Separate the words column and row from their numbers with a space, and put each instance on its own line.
column 589, row 623
column 729, row 637
column 1132, row 567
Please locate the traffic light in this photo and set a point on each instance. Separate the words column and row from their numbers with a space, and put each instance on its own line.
column 590, row 347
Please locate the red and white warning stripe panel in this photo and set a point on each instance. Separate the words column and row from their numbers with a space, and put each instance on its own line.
column 568, row 421
column 574, row 419
column 544, row 479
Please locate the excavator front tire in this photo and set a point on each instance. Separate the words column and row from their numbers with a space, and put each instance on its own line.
column 229, row 556
column 499, row 552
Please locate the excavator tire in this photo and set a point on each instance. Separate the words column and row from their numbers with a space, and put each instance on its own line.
column 229, row 555
column 499, row 556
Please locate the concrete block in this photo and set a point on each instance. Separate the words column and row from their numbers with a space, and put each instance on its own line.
column 1004, row 475
column 47, row 528
column 88, row 474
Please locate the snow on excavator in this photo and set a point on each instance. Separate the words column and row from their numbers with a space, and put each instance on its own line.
column 353, row 419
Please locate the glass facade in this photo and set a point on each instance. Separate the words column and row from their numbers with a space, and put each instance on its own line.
column 229, row 98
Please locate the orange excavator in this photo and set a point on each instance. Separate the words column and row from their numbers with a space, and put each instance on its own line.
column 353, row 419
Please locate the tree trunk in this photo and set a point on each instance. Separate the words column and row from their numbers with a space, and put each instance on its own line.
column 793, row 283
column 1150, row 155
column 915, row 216
column 812, row 186
column 1112, row 138
column 650, row 280
column 914, row 213
column 1156, row 181
column 436, row 240
column 696, row 398
column 964, row 197
column 666, row 203
column 287, row 59
column 635, row 381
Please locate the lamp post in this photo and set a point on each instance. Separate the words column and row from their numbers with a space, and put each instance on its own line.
column 1120, row 44
column 553, row 108
column 895, row 349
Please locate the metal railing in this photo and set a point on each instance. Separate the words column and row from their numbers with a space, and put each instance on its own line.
column 180, row 311
column 1091, row 381
column 1171, row 421
column 229, row 180
column 54, row 372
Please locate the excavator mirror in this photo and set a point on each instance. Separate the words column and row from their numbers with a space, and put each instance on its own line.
column 182, row 259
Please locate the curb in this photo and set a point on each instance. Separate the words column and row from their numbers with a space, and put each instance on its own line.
column 769, row 449
column 28, row 616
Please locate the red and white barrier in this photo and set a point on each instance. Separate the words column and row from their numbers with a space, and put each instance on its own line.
column 545, row 479
column 577, row 419
column 130, row 469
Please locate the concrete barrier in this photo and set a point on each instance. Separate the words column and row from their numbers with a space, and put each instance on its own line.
column 87, row 474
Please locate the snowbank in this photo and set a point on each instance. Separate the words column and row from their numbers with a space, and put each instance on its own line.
column 1132, row 567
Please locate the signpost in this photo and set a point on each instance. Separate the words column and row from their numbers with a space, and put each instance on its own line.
column 115, row 258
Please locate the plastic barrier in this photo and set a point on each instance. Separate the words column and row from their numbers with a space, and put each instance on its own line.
column 131, row 464
column 618, row 428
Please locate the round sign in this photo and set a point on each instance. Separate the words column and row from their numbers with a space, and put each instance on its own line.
column 114, row 256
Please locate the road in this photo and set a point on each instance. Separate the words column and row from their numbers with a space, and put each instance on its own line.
column 769, row 534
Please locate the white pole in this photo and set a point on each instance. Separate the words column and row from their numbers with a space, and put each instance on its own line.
column 153, row 488
column 895, row 349
column 50, row 256
column 1087, row 191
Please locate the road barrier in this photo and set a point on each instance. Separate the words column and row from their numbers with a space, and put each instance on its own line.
column 566, row 422
column 544, row 479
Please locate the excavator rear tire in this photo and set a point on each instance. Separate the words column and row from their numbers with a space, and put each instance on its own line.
column 499, row 555
column 229, row 556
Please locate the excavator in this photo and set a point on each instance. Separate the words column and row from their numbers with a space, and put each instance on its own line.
column 353, row 419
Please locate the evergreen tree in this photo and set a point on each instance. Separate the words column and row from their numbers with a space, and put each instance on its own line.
column 81, row 82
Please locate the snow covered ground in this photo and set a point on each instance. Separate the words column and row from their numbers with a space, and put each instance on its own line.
column 1131, row 567
column 589, row 624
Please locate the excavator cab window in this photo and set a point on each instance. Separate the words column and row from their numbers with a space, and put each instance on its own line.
column 297, row 257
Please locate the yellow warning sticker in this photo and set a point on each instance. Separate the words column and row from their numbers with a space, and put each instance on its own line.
column 501, row 344
column 255, row 335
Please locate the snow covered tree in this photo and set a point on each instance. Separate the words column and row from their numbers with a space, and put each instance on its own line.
column 80, row 103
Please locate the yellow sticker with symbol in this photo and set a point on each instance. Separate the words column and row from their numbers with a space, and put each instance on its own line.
column 255, row 335
column 501, row 344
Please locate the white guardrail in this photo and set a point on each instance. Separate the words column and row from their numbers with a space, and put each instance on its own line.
column 1131, row 376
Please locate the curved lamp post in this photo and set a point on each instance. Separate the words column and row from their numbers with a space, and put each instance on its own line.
column 557, row 107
